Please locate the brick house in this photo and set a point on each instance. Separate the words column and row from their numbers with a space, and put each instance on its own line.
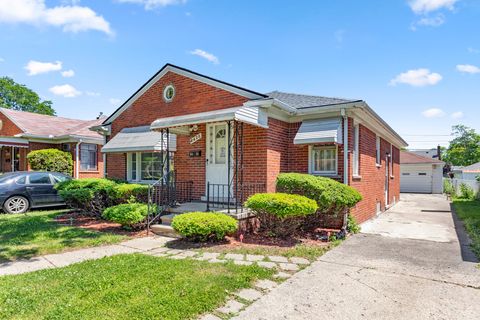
column 22, row 132
column 228, row 141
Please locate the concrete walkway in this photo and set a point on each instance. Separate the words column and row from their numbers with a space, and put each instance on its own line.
column 412, row 262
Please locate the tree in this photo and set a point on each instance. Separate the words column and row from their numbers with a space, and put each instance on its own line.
column 18, row 97
column 464, row 149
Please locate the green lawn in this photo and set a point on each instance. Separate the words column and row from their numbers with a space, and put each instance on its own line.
column 469, row 212
column 132, row 286
column 37, row 233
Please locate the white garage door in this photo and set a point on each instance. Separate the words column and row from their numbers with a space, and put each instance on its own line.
column 416, row 178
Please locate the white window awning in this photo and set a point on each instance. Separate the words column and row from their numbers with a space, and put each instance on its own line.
column 319, row 131
column 252, row 115
column 13, row 142
column 139, row 139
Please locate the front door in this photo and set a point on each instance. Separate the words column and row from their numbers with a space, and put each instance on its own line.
column 217, row 159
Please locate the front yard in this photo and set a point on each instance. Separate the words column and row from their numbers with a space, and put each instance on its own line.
column 469, row 212
column 38, row 233
column 133, row 286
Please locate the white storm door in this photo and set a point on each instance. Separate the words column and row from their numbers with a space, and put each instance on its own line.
column 217, row 158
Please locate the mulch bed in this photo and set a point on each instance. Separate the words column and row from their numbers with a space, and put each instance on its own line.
column 79, row 219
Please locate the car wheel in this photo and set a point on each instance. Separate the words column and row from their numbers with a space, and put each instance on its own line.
column 16, row 204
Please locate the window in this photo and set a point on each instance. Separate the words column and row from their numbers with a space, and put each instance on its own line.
column 145, row 166
column 88, row 157
column 356, row 153
column 323, row 160
column 39, row 178
column 21, row 180
column 220, row 145
column 58, row 177
column 378, row 160
column 169, row 93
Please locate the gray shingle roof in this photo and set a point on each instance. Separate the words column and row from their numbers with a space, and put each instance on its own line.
column 472, row 168
column 302, row 101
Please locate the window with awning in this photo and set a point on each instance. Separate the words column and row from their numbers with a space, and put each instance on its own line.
column 139, row 139
column 319, row 131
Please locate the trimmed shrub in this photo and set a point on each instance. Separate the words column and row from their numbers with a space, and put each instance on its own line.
column 51, row 160
column 352, row 225
column 333, row 198
column 204, row 226
column 127, row 214
column 280, row 214
column 93, row 195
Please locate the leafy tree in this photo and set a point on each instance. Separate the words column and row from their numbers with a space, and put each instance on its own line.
column 18, row 97
column 464, row 149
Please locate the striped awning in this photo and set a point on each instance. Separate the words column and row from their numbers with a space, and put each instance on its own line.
column 13, row 142
column 319, row 131
column 139, row 139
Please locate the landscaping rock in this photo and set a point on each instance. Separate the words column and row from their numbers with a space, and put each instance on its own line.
column 188, row 254
column 242, row 263
column 265, row 264
column 215, row 260
column 288, row 266
column 282, row 275
column 278, row 259
column 266, row 284
column 249, row 294
column 232, row 306
column 233, row 256
column 254, row 257
column 299, row 260
column 210, row 255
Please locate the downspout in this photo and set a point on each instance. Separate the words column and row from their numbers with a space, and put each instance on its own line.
column 77, row 158
column 104, row 157
column 345, row 146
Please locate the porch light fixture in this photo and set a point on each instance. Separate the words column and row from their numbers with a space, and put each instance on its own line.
column 194, row 128
column 169, row 93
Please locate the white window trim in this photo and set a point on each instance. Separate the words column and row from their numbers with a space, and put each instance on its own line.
column 139, row 168
column 378, row 158
column 356, row 150
column 311, row 164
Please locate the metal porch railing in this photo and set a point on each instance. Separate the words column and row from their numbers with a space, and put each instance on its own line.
column 220, row 197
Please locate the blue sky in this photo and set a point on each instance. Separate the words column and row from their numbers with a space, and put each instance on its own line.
column 417, row 63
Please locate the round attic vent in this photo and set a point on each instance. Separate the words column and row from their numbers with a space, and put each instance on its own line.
column 169, row 93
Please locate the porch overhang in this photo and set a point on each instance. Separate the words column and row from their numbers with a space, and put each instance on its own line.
column 256, row 116
column 319, row 131
column 13, row 142
column 139, row 139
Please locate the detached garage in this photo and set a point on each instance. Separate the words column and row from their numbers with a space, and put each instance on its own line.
column 419, row 174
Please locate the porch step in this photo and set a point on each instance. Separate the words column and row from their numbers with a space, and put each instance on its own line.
column 164, row 230
column 167, row 219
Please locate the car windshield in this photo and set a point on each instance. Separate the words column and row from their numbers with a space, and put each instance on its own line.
column 7, row 177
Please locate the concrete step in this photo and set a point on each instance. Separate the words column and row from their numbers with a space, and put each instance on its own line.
column 167, row 219
column 164, row 230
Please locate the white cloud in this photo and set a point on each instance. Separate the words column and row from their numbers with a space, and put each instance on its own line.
column 92, row 93
column 436, row 21
column 152, row 4
column 468, row 68
column 71, row 18
column 114, row 101
column 417, row 78
column 68, row 73
column 473, row 50
column 65, row 90
column 426, row 6
column 208, row 56
column 37, row 67
column 457, row 115
column 433, row 113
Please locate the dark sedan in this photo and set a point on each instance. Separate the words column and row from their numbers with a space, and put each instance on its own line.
column 20, row 191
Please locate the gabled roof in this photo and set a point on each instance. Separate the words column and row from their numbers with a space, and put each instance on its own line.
column 250, row 94
column 473, row 168
column 302, row 101
column 413, row 158
column 44, row 126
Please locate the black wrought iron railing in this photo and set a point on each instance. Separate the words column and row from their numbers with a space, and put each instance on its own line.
column 231, row 198
column 164, row 193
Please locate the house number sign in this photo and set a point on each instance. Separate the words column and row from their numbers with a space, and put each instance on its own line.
column 195, row 138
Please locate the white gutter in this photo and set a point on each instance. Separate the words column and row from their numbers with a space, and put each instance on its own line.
column 77, row 159
column 345, row 146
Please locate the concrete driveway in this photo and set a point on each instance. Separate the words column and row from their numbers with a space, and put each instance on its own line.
column 412, row 262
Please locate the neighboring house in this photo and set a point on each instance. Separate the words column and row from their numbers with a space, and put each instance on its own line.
column 420, row 174
column 467, row 173
column 429, row 153
column 227, row 142
column 22, row 132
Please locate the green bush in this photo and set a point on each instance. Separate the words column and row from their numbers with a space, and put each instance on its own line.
column 204, row 226
column 448, row 187
column 329, row 194
column 280, row 214
column 51, row 160
column 93, row 195
column 127, row 214
column 466, row 192
column 352, row 225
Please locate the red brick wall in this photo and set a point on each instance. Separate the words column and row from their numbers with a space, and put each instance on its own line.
column 8, row 127
column 371, row 183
